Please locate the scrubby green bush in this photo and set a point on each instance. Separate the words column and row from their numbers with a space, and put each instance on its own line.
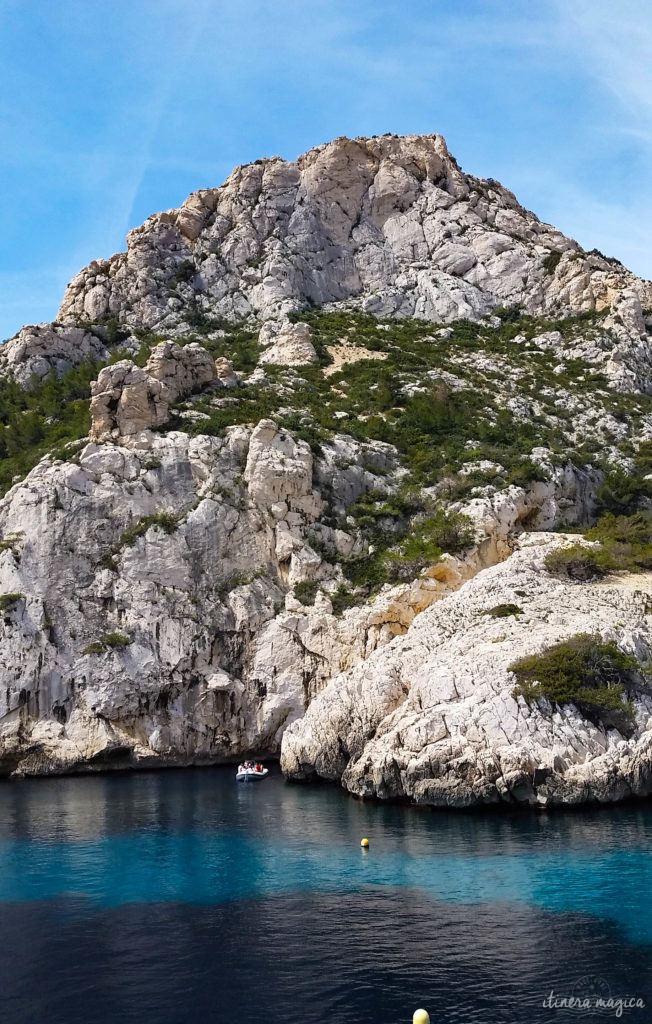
column 368, row 572
column 166, row 521
column 576, row 562
column 306, row 591
column 343, row 599
column 9, row 601
column 503, row 611
column 525, row 473
column 443, row 531
column 623, row 493
column 625, row 545
column 108, row 642
column 237, row 580
column 626, row 541
column 551, row 262
column 185, row 271
column 421, row 545
column 586, row 671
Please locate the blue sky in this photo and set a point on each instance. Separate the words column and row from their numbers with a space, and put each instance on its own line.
column 110, row 111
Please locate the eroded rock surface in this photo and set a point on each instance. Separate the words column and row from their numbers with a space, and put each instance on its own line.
column 187, row 550
column 167, row 598
column 39, row 349
column 389, row 224
column 127, row 399
column 431, row 716
column 286, row 344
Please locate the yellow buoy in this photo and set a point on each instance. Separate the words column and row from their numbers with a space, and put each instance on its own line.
column 364, row 843
column 420, row 1017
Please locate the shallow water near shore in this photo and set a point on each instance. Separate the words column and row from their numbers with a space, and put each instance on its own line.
column 181, row 895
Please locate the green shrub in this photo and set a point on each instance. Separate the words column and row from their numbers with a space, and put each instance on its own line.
column 115, row 332
column 306, row 591
column 551, row 262
column 422, row 545
column 585, row 671
column 110, row 641
column 625, row 546
column 185, row 271
column 343, row 599
column 166, row 521
column 367, row 571
column 509, row 314
column 624, row 493
column 576, row 562
column 237, row 580
column 503, row 611
column 9, row 601
column 524, row 473
column 626, row 541
column 450, row 531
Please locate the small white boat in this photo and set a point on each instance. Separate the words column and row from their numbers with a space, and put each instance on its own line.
column 244, row 774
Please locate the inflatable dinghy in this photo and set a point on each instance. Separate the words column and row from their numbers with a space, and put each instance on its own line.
column 243, row 774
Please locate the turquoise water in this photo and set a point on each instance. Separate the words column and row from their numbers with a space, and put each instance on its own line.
column 257, row 899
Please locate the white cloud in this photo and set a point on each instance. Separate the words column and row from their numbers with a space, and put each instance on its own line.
column 618, row 51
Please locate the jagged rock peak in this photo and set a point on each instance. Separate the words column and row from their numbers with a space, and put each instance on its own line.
column 389, row 224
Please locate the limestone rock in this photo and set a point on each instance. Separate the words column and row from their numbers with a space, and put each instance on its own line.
column 390, row 224
column 159, row 579
column 125, row 399
column 182, row 369
column 186, row 547
column 37, row 350
column 289, row 344
column 431, row 715
column 279, row 468
column 225, row 373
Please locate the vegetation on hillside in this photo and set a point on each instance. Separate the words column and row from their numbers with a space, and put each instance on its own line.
column 108, row 642
column 444, row 396
column 624, row 544
column 586, row 671
column 504, row 611
column 464, row 403
column 47, row 416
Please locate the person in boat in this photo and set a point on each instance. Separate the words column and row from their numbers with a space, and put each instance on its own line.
column 259, row 766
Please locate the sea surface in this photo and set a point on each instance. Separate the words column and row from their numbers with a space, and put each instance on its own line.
column 179, row 896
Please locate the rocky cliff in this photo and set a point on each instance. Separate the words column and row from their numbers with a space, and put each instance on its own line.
column 239, row 523
column 433, row 716
column 390, row 223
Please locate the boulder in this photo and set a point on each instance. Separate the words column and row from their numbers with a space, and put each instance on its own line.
column 39, row 349
column 183, row 369
column 287, row 344
column 127, row 399
column 225, row 373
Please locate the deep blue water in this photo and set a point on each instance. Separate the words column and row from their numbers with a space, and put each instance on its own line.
column 182, row 896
